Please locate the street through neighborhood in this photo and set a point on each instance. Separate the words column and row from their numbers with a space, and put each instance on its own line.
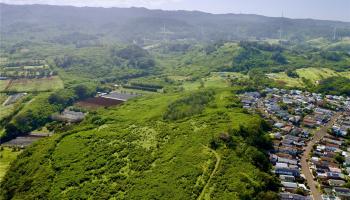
column 305, row 167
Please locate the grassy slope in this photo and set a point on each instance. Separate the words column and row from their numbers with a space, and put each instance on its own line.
column 137, row 156
column 5, row 110
column 6, row 157
column 3, row 84
column 36, row 85
column 311, row 73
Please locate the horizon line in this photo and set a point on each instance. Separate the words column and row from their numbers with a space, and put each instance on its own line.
column 167, row 10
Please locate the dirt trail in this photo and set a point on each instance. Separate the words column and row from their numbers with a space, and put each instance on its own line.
column 8, row 85
column 205, row 188
column 305, row 167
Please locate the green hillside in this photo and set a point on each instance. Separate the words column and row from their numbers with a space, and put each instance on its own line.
column 187, row 136
column 312, row 75
column 133, row 156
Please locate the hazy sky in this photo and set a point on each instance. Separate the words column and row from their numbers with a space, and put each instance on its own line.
column 317, row 9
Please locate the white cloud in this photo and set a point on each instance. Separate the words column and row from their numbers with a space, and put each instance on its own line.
column 103, row 3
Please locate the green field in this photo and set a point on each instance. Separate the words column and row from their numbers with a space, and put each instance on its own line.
column 7, row 155
column 312, row 74
column 32, row 85
column 36, row 67
column 215, row 80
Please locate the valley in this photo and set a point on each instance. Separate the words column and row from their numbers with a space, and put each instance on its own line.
column 148, row 107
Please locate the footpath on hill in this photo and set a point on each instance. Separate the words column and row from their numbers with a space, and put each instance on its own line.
column 218, row 160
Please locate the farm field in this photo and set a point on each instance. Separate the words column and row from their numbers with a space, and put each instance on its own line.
column 312, row 74
column 97, row 102
column 7, row 156
column 32, row 85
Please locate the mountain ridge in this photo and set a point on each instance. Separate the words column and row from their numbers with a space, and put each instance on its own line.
column 140, row 24
column 175, row 11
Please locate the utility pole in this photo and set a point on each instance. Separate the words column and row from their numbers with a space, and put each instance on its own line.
column 163, row 32
column 280, row 31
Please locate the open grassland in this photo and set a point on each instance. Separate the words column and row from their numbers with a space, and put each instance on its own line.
column 214, row 80
column 314, row 75
column 32, row 85
column 326, row 44
column 7, row 155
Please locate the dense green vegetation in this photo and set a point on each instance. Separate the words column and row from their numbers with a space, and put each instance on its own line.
column 134, row 156
column 187, row 137
column 7, row 155
column 188, row 106
column 335, row 86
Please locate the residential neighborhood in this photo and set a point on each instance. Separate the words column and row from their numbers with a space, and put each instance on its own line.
column 309, row 130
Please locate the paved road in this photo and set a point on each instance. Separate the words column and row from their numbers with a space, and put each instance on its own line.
column 305, row 168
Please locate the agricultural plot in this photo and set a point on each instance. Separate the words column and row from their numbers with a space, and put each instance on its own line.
column 33, row 85
column 97, row 102
column 179, row 78
column 28, row 71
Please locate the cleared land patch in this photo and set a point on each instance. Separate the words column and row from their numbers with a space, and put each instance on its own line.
column 97, row 102
column 32, row 85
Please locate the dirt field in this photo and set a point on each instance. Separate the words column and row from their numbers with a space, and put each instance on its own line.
column 97, row 102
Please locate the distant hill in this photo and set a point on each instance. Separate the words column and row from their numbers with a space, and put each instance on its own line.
column 83, row 25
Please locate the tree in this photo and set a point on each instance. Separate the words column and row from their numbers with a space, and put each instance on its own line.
column 292, row 73
column 83, row 92
column 279, row 58
column 339, row 158
column 62, row 97
column 267, row 195
column 214, row 143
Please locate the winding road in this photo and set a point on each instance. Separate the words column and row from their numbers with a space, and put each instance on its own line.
column 305, row 167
